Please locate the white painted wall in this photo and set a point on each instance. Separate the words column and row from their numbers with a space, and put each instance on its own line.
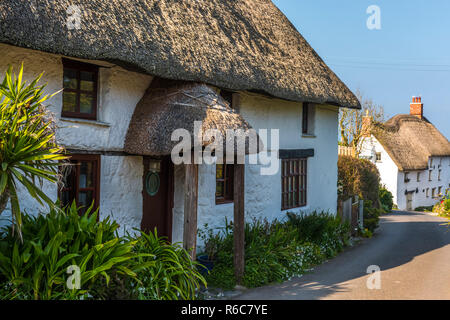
column 263, row 193
column 386, row 167
column 394, row 179
column 121, row 177
column 119, row 92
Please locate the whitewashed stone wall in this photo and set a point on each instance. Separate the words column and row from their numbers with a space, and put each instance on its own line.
column 121, row 177
column 424, row 187
column 394, row 179
column 263, row 192
column 119, row 92
column 386, row 167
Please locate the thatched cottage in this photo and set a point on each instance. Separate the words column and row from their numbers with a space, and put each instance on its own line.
column 134, row 71
column 412, row 156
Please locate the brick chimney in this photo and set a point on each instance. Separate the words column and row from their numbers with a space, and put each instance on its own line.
column 366, row 125
column 416, row 107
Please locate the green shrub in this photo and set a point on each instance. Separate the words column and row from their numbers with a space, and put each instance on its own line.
column 371, row 216
column 386, row 199
column 358, row 177
column 37, row 268
column 173, row 276
column 29, row 154
column 424, row 209
column 111, row 267
column 276, row 251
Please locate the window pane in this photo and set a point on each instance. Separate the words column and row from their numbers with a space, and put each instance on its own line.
column 85, row 198
column 69, row 101
column 87, row 81
column 86, row 175
column 219, row 171
column 86, row 103
column 219, row 189
column 66, row 198
column 70, row 79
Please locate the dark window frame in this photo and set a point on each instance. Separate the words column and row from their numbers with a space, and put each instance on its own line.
column 305, row 118
column 406, row 177
column 378, row 156
column 74, row 175
column 298, row 177
column 78, row 67
column 227, row 96
column 228, row 184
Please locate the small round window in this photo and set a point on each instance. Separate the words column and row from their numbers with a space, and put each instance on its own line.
column 152, row 183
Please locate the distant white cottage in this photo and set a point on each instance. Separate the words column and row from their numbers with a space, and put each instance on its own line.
column 412, row 156
column 132, row 73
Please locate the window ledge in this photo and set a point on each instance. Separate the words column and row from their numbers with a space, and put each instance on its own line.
column 305, row 135
column 218, row 203
column 86, row 121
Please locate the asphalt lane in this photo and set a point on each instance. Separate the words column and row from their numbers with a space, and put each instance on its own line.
column 411, row 250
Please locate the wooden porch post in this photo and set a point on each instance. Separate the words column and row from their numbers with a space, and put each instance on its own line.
column 239, row 221
column 190, row 208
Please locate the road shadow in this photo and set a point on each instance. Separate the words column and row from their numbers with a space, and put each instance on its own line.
column 401, row 237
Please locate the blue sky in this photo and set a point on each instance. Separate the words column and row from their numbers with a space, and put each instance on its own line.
column 409, row 55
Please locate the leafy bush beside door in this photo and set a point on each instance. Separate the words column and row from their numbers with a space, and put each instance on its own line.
column 110, row 266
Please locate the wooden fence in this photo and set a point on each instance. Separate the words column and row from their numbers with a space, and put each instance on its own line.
column 346, row 151
column 351, row 210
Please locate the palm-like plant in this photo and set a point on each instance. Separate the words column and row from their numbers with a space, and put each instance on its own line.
column 29, row 153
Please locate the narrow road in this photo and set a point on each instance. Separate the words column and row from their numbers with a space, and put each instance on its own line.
column 412, row 250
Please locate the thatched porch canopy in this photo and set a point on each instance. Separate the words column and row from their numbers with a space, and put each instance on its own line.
column 234, row 44
column 170, row 105
column 410, row 141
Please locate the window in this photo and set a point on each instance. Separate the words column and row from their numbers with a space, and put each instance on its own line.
column 80, row 90
column 224, row 183
column 293, row 183
column 378, row 156
column 439, row 190
column 81, row 181
column 429, row 175
column 428, row 192
column 308, row 119
column 418, row 176
column 227, row 96
column 406, row 179
column 439, row 175
column 433, row 192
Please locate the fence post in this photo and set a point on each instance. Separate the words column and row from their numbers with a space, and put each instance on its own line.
column 347, row 210
column 361, row 214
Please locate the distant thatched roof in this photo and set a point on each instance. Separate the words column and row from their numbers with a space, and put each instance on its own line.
column 170, row 105
column 410, row 141
column 232, row 44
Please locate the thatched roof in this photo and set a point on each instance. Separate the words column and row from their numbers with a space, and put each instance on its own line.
column 410, row 141
column 170, row 105
column 232, row 44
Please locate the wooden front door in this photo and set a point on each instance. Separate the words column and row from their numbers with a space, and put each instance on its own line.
column 157, row 195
